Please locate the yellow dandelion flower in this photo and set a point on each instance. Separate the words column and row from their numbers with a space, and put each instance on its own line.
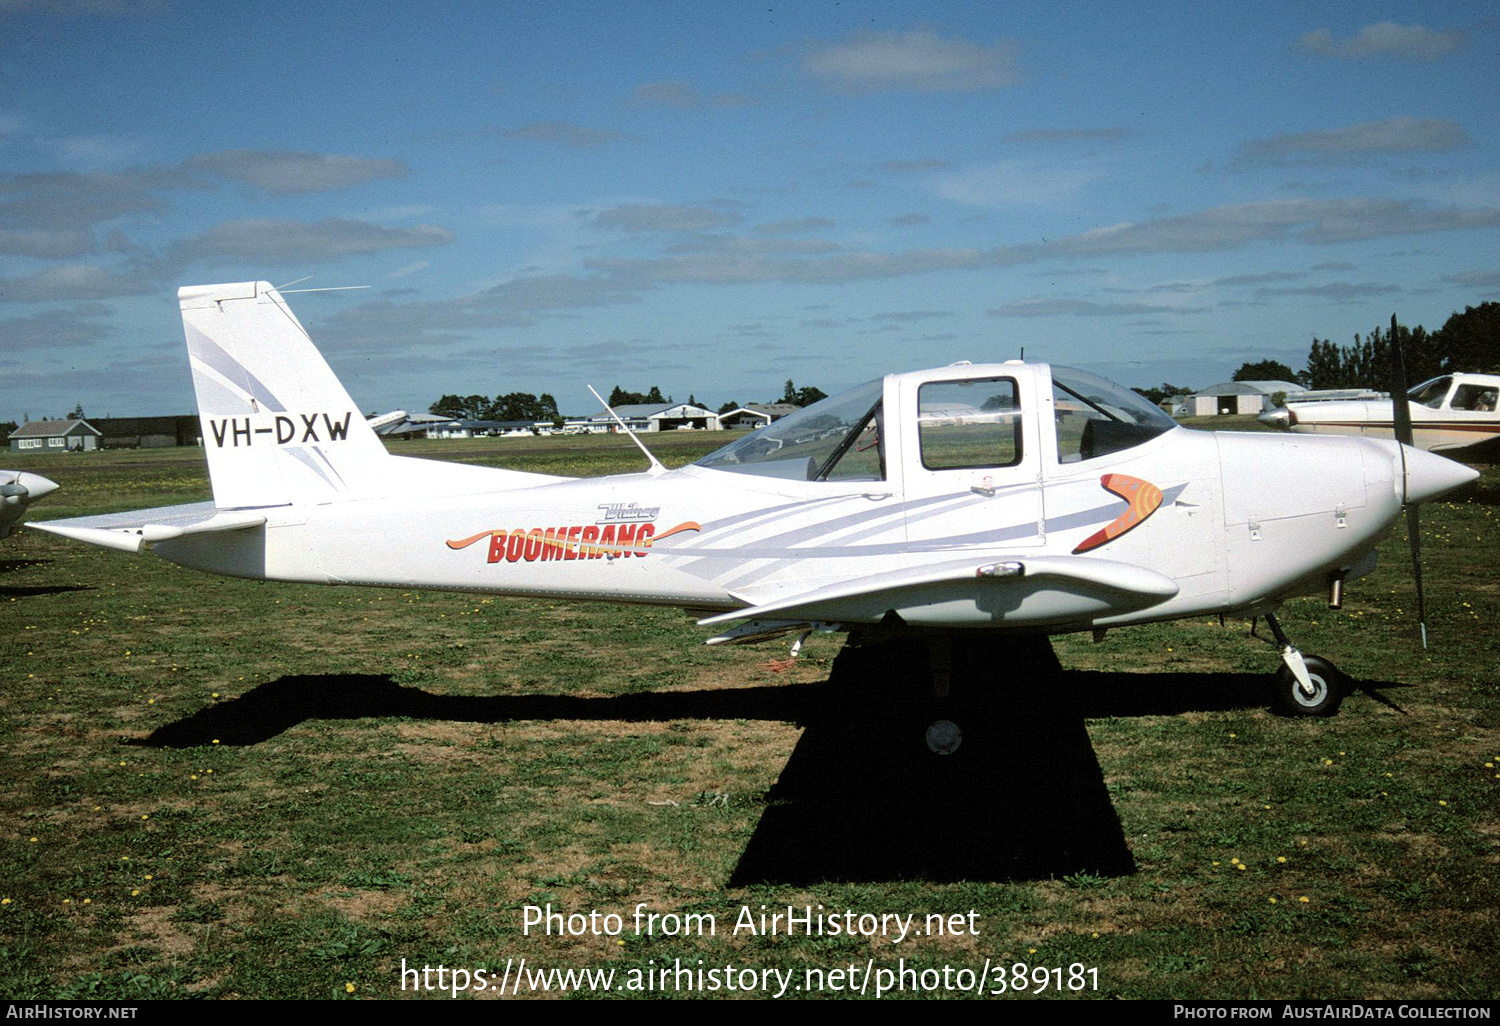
column 1281, row 858
column 145, row 817
column 88, row 901
column 1271, row 900
column 1234, row 862
column 216, row 740
column 1304, row 899
column 33, row 840
column 4, row 901
column 148, row 876
column 348, row 988
column 1440, row 802
column 1031, row 951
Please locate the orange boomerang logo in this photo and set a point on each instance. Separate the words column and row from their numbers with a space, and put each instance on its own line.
column 581, row 541
column 1143, row 497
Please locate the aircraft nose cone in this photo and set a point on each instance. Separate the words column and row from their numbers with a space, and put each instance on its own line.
column 36, row 485
column 1276, row 418
column 1429, row 476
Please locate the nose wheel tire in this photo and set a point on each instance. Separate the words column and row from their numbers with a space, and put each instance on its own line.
column 1329, row 688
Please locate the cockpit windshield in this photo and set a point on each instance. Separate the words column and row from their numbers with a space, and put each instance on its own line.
column 1431, row 393
column 1096, row 417
column 837, row 439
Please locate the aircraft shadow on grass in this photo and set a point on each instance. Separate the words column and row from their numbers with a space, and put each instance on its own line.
column 10, row 566
column 862, row 797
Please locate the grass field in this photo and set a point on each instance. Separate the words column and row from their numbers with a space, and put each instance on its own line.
column 227, row 789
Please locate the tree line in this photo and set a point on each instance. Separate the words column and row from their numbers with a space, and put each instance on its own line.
column 525, row 406
column 1468, row 341
column 514, row 406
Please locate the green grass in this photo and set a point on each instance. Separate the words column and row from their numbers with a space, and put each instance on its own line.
column 222, row 788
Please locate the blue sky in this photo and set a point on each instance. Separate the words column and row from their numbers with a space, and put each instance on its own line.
column 715, row 197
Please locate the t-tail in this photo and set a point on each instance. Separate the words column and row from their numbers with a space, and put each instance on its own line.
column 278, row 427
column 280, row 431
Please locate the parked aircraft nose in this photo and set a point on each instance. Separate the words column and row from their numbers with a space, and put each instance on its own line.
column 29, row 488
column 1429, row 476
column 1281, row 418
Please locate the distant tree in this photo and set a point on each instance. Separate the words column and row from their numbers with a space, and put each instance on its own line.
column 731, row 405
column 1166, row 391
column 1265, row 370
column 805, row 396
column 549, row 408
column 77, row 413
column 6, row 427
column 1367, row 362
column 461, row 408
column 1470, row 341
column 655, row 396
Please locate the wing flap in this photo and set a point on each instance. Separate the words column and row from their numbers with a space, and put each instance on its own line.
column 1114, row 585
column 133, row 531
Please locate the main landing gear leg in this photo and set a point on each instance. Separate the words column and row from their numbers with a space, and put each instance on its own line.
column 1305, row 685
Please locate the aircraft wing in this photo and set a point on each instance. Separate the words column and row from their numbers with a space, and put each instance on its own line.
column 133, row 531
column 1071, row 585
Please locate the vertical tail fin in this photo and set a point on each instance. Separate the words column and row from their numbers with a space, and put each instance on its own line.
column 278, row 427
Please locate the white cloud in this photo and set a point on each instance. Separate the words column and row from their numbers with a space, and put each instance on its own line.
column 1017, row 183
column 1385, row 39
column 286, row 172
column 1392, row 135
column 567, row 135
column 796, row 226
column 1079, row 308
column 920, row 60
column 302, row 242
column 48, row 245
column 72, row 282
column 665, row 218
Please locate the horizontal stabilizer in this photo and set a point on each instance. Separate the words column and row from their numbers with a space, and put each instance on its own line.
column 1134, row 587
column 132, row 532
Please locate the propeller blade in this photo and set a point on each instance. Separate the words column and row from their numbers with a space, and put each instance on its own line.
column 1414, row 535
column 1401, row 423
column 1400, row 405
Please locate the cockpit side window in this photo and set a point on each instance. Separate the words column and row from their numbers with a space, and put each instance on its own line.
column 973, row 423
column 1478, row 398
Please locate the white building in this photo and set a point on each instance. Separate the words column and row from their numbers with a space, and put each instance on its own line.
column 1249, row 397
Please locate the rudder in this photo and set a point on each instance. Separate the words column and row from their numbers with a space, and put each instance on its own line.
column 278, row 426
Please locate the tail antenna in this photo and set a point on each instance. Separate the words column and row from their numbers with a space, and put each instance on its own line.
column 656, row 465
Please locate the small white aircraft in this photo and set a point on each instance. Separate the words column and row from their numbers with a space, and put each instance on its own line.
column 1448, row 414
column 19, row 489
column 1009, row 497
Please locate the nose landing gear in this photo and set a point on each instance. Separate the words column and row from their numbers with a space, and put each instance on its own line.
column 1305, row 685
